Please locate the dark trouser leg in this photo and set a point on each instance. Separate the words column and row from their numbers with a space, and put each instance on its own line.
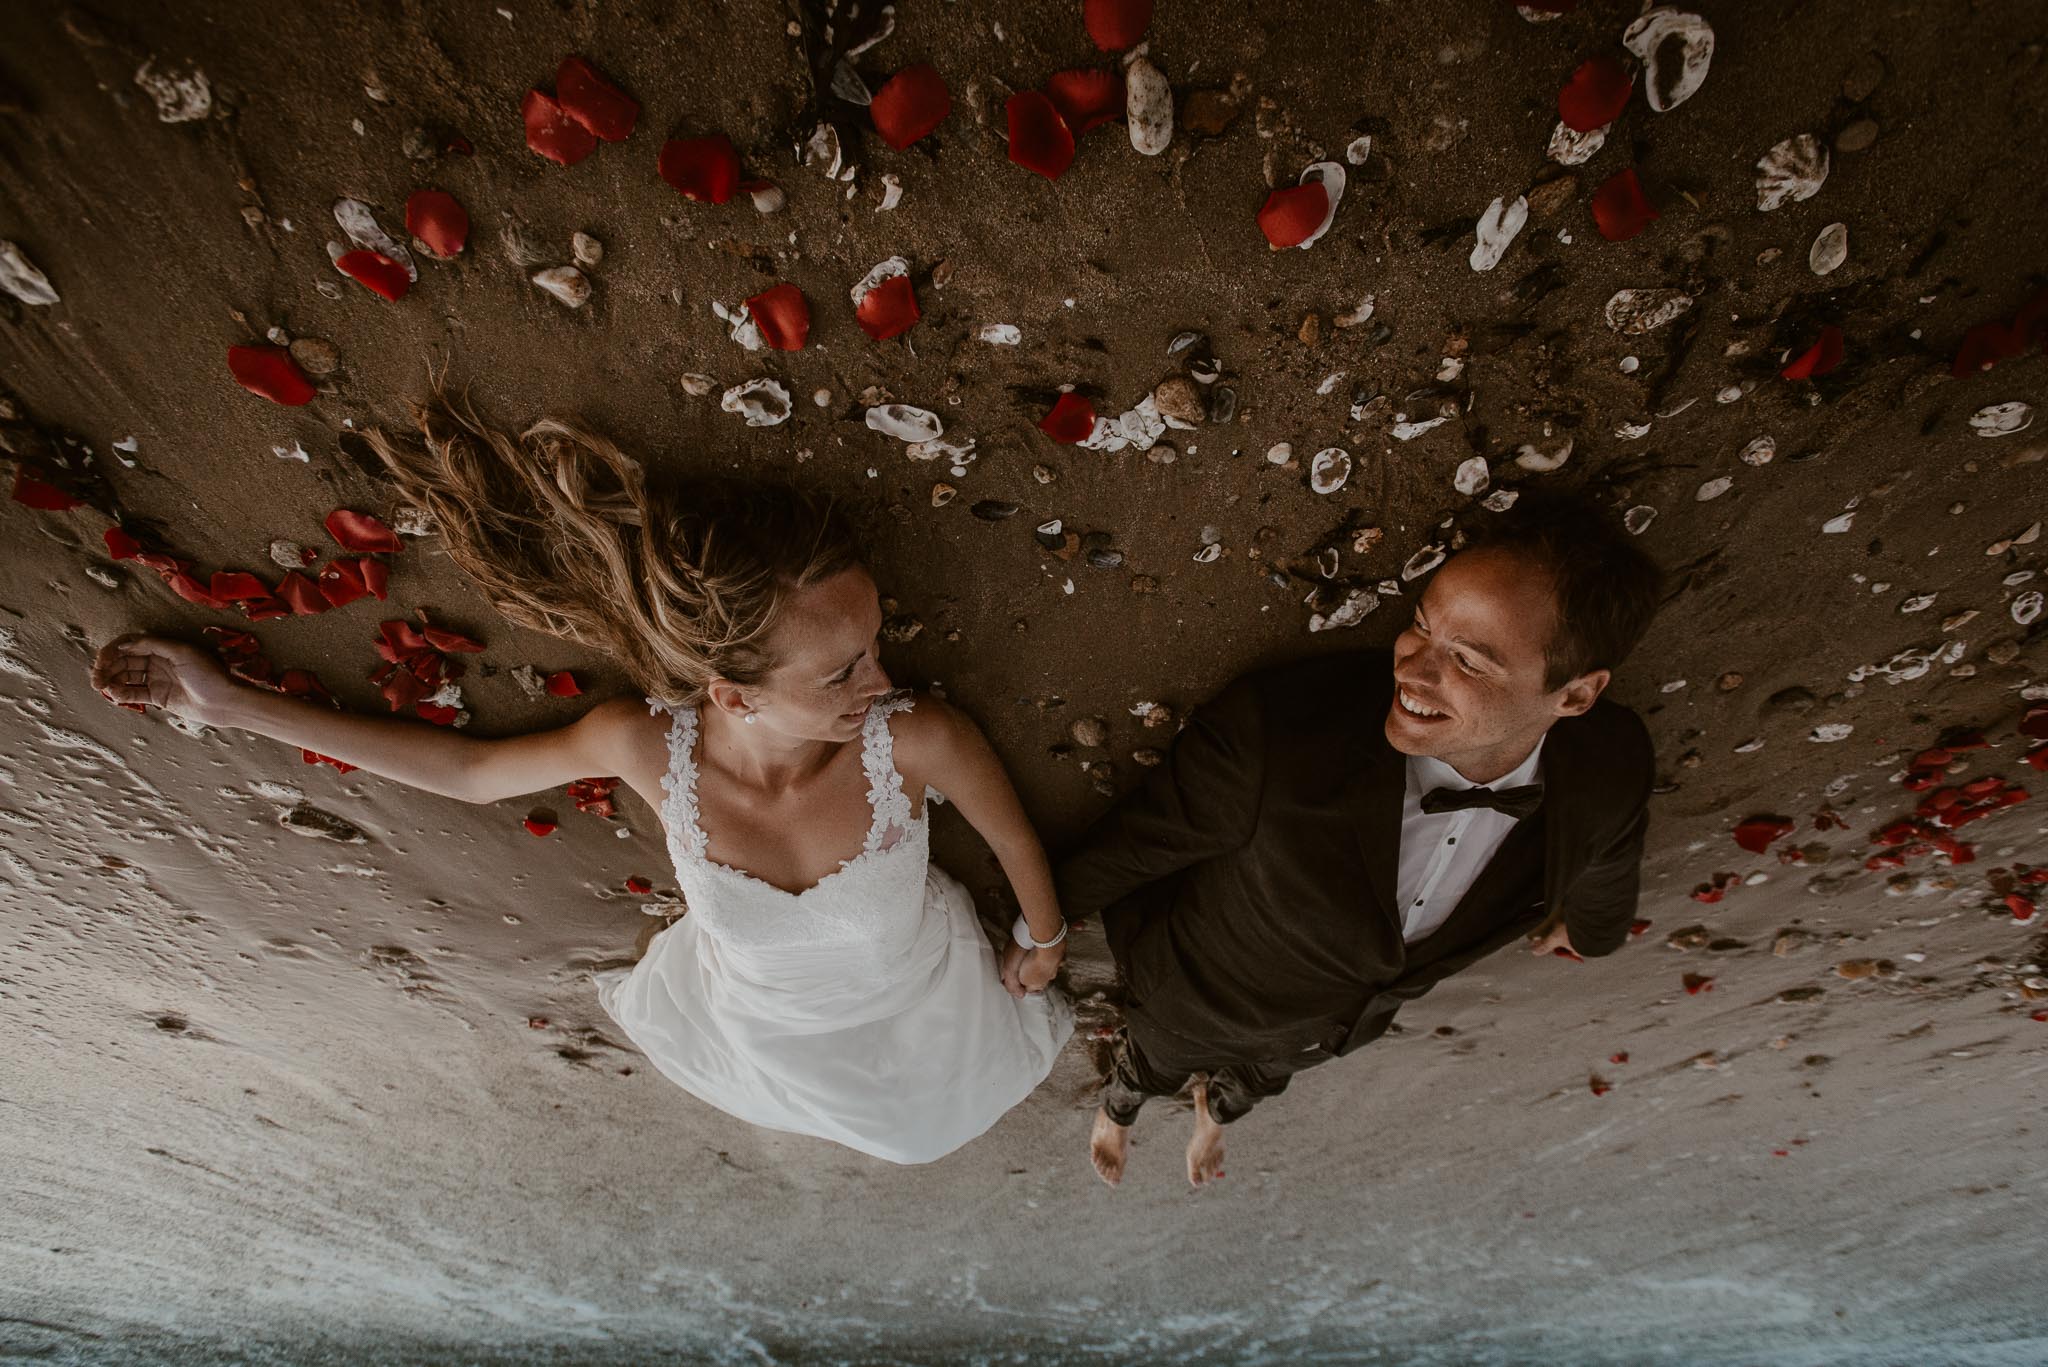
column 1235, row 1088
column 1133, row 1076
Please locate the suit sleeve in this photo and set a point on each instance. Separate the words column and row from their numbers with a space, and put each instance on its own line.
column 1600, row 904
column 1202, row 802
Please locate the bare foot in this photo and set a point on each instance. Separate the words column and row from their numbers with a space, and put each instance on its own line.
column 1205, row 1148
column 1109, row 1144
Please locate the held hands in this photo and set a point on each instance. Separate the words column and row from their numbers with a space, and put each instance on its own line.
column 1027, row 971
column 138, row 671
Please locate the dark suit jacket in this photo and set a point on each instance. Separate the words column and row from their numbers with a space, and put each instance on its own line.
column 1247, row 887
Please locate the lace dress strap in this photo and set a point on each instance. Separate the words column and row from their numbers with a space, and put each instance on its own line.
column 679, row 784
column 886, row 797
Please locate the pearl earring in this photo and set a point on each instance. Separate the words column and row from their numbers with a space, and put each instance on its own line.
column 748, row 719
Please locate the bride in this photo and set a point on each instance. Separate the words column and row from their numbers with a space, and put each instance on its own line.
column 827, row 979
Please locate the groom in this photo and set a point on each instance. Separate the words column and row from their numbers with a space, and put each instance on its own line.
column 1330, row 839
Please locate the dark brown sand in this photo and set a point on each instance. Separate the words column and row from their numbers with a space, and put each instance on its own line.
column 273, row 1096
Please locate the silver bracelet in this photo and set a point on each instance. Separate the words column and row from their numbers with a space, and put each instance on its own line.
column 1020, row 931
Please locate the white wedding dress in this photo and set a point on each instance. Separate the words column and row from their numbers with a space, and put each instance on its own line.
column 866, row 1009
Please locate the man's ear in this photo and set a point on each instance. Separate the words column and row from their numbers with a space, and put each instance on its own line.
column 1581, row 693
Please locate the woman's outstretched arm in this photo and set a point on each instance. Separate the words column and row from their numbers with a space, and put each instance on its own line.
column 188, row 682
column 941, row 745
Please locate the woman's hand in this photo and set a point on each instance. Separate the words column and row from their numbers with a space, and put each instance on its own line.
column 153, row 671
column 1027, row 971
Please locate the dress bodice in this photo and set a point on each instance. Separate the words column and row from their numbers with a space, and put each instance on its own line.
column 860, row 917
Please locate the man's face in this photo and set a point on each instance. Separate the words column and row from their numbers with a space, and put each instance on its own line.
column 1472, row 660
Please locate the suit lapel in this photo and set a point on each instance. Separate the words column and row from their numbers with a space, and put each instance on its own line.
column 1379, row 785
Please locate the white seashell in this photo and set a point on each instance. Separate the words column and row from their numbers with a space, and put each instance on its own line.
column 901, row 421
column 742, row 327
column 1919, row 602
column 1422, row 562
column 1208, row 555
column 1103, row 437
column 1634, row 312
column 822, row 151
column 1835, row 526
column 2026, row 608
column 1543, row 462
column 1280, row 452
column 1472, row 477
column 1330, row 381
column 1760, row 450
column 20, row 278
column 1569, row 147
column 1328, row 469
column 1349, row 613
column 1539, row 16
column 1451, row 368
column 1791, row 171
column 362, row 228
column 1639, row 518
column 1331, row 175
column 2002, row 419
column 768, row 199
column 587, row 250
column 892, row 192
column 957, row 454
column 1830, row 731
column 566, row 283
column 697, row 386
column 1671, row 76
column 1148, row 106
column 1830, row 249
column 293, row 452
column 1141, row 426
column 763, row 403
column 1497, row 228
column 178, row 99
column 1628, row 365
column 1361, row 314
column 1632, row 431
column 895, row 265
column 1409, row 431
column 1000, row 334
column 1500, row 500
column 1359, row 149
column 1712, row 489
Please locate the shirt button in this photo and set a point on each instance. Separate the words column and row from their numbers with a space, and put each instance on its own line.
column 1450, row 840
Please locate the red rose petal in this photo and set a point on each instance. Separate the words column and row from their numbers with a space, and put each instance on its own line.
column 376, row 577
column 1071, row 419
column 1600, row 1085
column 1562, row 953
column 1039, row 137
column 265, row 609
column 538, row 825
column 594, row 102
column 703, row 169
column 312, row 757
column 191, row 590
column 301, row 595
column 783, row 316
column 1292, row 213
column 452, row 641
column 437, row 713
column 235, row 586
column 640, row 885
column 552, row 133
column 1596, row 94
column 562, row 684
column 1085, row 97
column 1696, row 983
column 341, row 582
column 440, row 224
column 1620, row 209
column 911, row 104
column 361, row 532
column 271, row 372
column 1116, row 24
column 2020, row 907
column 1621, row 1057
column 1638, row 927
column 1757, row 833
column 1818, row 359
column 888, row 309
column 39, row 493
column 120, row 545
column 1985, row 345
column 2037, row 758
column 1708, row 893
column 376, row 272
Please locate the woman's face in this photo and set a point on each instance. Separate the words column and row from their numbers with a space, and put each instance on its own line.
column 828, row 667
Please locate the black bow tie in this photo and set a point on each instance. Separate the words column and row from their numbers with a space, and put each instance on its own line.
column 1514, row 802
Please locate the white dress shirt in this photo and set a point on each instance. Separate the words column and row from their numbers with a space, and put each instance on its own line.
column 1442, row 853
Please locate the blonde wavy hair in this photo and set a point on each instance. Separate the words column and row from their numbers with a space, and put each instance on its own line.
column 680, row 582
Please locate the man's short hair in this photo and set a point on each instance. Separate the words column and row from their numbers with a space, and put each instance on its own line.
column 1605, row 587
